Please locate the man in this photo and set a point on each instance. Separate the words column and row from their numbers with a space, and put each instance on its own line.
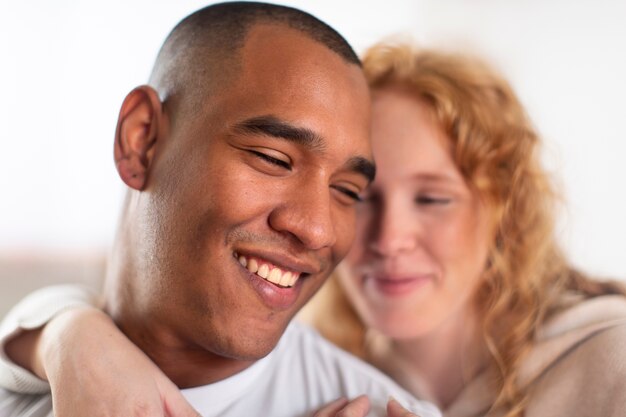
column 244, row 158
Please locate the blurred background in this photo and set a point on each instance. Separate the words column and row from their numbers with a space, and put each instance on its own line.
column 67, row 65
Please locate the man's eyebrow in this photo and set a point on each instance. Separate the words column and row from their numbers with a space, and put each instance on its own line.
column 273, row 126
column 362, row 166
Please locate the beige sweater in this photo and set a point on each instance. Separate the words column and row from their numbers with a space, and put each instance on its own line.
column 576, row 369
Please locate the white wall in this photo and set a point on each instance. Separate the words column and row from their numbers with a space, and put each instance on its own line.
column 65, row 67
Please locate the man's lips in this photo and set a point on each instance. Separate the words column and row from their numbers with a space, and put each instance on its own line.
column 277, row 269
column 277, row 285
column 280, row 276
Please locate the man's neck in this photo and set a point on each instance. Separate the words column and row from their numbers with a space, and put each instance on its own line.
column 187, row 365
column 179, row 356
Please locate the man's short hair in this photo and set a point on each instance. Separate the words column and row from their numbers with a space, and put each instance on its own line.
column 200, row 53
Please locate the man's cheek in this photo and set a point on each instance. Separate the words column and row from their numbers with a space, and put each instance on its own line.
column 345, row 238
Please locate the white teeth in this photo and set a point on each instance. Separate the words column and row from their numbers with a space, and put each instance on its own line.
column 253, row 266
column 275, row 276
column 263, row 271
column 293, row 280
column 285, row 280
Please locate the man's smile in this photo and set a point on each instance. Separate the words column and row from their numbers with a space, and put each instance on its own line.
column 269, row 272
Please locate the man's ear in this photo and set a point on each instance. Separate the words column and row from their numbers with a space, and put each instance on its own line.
column 137, row 131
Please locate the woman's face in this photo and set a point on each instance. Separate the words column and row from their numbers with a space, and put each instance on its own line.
column 422, row 234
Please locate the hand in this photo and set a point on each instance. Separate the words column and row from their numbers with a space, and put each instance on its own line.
column 359, row 407
column 94, row 370
column 394, row 409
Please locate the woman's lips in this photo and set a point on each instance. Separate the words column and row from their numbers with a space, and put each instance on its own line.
column 397, row 286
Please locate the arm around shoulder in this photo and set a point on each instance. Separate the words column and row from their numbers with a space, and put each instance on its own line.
column 20, row 334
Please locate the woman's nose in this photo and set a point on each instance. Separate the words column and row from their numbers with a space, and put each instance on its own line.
column 396, row 231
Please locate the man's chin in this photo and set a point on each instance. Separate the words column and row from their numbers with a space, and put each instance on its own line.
column 249, row 346
column 253, row 350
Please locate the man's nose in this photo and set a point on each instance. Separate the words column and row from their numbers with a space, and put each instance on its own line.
column 307, row 216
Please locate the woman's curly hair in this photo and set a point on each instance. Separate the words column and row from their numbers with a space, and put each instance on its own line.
column 496, row 148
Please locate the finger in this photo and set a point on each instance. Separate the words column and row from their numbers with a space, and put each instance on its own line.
column 358, row 407
column 394, row 409
column 331, row 408
column 176, row 405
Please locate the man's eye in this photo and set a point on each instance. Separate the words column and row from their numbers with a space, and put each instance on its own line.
column 351, row 194
column 428, row 200
column 272, row 160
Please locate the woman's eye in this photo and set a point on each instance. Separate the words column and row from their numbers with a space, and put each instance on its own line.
column 429, row 200
column 272, row 160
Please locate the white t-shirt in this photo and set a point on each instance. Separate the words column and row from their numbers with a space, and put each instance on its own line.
column 303, row 373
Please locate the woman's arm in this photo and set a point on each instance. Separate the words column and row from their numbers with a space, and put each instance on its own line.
column 92, row 368
column 20, row 329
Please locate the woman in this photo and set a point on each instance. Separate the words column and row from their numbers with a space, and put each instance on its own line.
column 455, row 285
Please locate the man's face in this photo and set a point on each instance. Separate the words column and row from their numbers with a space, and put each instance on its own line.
column 249, row 206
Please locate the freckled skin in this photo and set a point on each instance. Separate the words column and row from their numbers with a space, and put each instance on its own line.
column 187, row 301
column 447, row 242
